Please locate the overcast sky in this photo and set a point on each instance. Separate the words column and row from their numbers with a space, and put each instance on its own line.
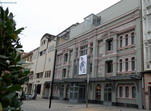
column 51, row 16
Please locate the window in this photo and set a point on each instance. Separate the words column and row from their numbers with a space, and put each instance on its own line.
column 126, row 64
column 132, row 38
column 120, row 91
column 84, row 50
column 133, row 63
column 90, row 68
column 109, row 65
column 133, row 92
column 109, row 44
column 59, row 59
column 48, row 73
column 76, row 52
column 121, row 41
column 91, row 48
column 42, row 52
column 126, row 91
column 126, row 40
column 120, row 65
column 39, row 75
column 64, row 73
column 65, row 57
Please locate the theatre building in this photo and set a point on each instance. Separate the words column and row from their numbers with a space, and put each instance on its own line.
column 111, row 40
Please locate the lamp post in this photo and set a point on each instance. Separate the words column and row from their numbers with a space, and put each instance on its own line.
column 52, row 82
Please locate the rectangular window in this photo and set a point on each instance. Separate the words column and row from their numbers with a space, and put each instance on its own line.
column 126, row 65
column 84, row 50
column 109, row 44
column 42, row 52
column 76, row 52
column 39, row 75
column 126, row 91
column 121, row 41
column 109, row 66
column 48, row 73
column 120, row 65
column 120, row 91
column 64, row 73
column 132, row 38
column 91, row 49
column 65, row 57
column 126, row 40
column 133, row 63
column 90, row 68
column 133, row 92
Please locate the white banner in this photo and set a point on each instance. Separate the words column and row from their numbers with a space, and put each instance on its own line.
column 83, row 64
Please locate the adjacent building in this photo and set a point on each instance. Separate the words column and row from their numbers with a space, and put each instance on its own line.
column 42, row 66
column 146, row 23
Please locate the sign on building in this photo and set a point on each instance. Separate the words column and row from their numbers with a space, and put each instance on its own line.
column 83, row 65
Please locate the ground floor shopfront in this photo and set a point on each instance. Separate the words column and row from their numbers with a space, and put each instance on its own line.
column 41, row 90
column 147, row 89
column 124, row 91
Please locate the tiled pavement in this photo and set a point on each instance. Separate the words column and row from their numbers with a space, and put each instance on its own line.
column 59, row 105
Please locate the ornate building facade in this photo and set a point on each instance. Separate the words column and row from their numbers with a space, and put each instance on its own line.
column 111, row 42
column 146, row 23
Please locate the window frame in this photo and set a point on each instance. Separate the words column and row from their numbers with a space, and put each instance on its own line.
column 126, row 40
column 126, row 64
column 109, row 44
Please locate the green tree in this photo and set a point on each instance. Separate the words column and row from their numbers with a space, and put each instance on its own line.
column 12, row 74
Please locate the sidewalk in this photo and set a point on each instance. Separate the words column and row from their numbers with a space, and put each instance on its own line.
column 60, row 105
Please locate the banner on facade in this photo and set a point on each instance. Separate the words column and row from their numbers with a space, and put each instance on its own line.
column 83, row 64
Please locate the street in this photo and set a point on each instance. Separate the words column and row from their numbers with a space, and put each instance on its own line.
column 60, row 105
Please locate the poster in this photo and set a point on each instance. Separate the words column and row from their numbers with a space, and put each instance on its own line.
column 83, row 64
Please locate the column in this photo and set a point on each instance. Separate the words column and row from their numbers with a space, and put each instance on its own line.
column 42, row 90
column 94, row 62
column 68, row 62
column 72, row 65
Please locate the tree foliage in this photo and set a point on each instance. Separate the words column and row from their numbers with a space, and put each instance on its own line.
column 12, row 74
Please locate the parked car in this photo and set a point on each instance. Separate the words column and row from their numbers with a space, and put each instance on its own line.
column 29, row 96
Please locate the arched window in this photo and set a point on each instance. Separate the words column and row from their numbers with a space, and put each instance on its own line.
column 126, row 91
column 133, row 92
column 126, row 40
column 133, row 63
column 121, row 40
column 126, row 64
column 132, row 38
column 98, row 91
column 120, row 91
column 120, row 65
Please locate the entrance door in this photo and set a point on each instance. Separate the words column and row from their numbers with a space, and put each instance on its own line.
column 74, row 92
column 150, row 98
column 108, row 95
column 77, row 94
column 61, row 92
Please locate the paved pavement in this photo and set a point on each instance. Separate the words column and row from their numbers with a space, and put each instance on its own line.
column 60, row 105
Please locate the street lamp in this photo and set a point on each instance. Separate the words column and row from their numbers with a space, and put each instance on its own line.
column 52, row 82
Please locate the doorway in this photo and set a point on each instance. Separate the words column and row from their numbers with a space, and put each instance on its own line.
column 149, row 97
column 77, row 94
column 38, row 88
column 108, row 95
